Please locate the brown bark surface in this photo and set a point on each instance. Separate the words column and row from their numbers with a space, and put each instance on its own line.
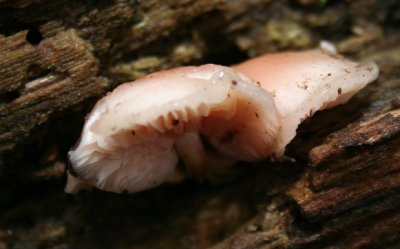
column 341, row 189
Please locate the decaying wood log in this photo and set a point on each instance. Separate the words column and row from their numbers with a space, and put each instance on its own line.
column 47, row 61
column 349, row 196
column 37, row 81
column 343, row 191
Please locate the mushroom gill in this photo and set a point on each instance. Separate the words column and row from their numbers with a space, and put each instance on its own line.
column 207, row 117
column 135, row 136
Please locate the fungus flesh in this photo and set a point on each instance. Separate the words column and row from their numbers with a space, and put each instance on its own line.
column 135, row 136
column 207, row 118
column 305, row 82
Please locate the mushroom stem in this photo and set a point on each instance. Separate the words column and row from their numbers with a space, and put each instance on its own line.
column 200, row 159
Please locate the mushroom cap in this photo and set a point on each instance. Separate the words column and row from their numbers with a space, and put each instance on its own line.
column 305, row 82
column 207, row 117
column 133, row 138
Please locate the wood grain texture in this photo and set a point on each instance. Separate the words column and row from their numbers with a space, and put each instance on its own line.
column 39, row 80
column 51, row 54
column 349, row 195
column 341, row 189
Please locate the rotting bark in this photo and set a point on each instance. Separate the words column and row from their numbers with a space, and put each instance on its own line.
column 40, row 80
column 349, row 196
column 343, row 191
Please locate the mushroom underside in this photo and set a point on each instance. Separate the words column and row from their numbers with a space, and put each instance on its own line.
column 208, row 117
column 240, row 125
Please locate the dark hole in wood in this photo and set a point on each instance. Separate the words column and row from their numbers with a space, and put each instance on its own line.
column 8, row 97
column 35, row 72
column 34, row 36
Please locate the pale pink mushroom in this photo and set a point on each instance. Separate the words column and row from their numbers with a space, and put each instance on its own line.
column 207, row 117
column 135, row 136
column 305, row 82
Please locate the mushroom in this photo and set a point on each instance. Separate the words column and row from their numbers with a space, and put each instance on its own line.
column 207, row 118
column 305, row 82
column 207, row 115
